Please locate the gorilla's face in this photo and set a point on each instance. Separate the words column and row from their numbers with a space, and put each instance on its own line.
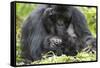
column 59, row 17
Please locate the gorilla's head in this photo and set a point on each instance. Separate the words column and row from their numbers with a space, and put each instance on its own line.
column 59, row 18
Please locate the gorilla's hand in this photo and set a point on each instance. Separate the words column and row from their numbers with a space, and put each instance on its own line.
column 91, row 47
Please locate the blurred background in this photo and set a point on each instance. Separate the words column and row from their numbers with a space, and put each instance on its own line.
column 23, row 10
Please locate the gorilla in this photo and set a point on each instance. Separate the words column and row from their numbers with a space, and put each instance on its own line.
column 59, row 28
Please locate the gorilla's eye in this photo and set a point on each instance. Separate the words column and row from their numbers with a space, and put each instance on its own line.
column 53, row 18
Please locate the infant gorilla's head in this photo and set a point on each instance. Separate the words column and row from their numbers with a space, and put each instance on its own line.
column 55, row 42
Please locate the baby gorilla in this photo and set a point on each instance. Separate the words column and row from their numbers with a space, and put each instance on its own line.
column 54, row 43
column 59, row 45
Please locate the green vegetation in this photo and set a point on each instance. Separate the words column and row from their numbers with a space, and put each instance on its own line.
column 23, row 11
column 65, row 59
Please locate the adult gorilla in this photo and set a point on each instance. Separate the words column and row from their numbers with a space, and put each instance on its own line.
column 54, row 21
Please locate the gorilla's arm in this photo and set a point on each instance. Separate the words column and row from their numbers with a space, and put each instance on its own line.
column 33, row 34
column 81, row 29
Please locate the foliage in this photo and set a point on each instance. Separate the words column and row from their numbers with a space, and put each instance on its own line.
column 80, row 57
column 22, row 12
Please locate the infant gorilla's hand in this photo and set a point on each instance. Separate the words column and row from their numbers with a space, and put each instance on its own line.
column 55, row 41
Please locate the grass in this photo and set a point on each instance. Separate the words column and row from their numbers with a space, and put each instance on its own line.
column 83, row 56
